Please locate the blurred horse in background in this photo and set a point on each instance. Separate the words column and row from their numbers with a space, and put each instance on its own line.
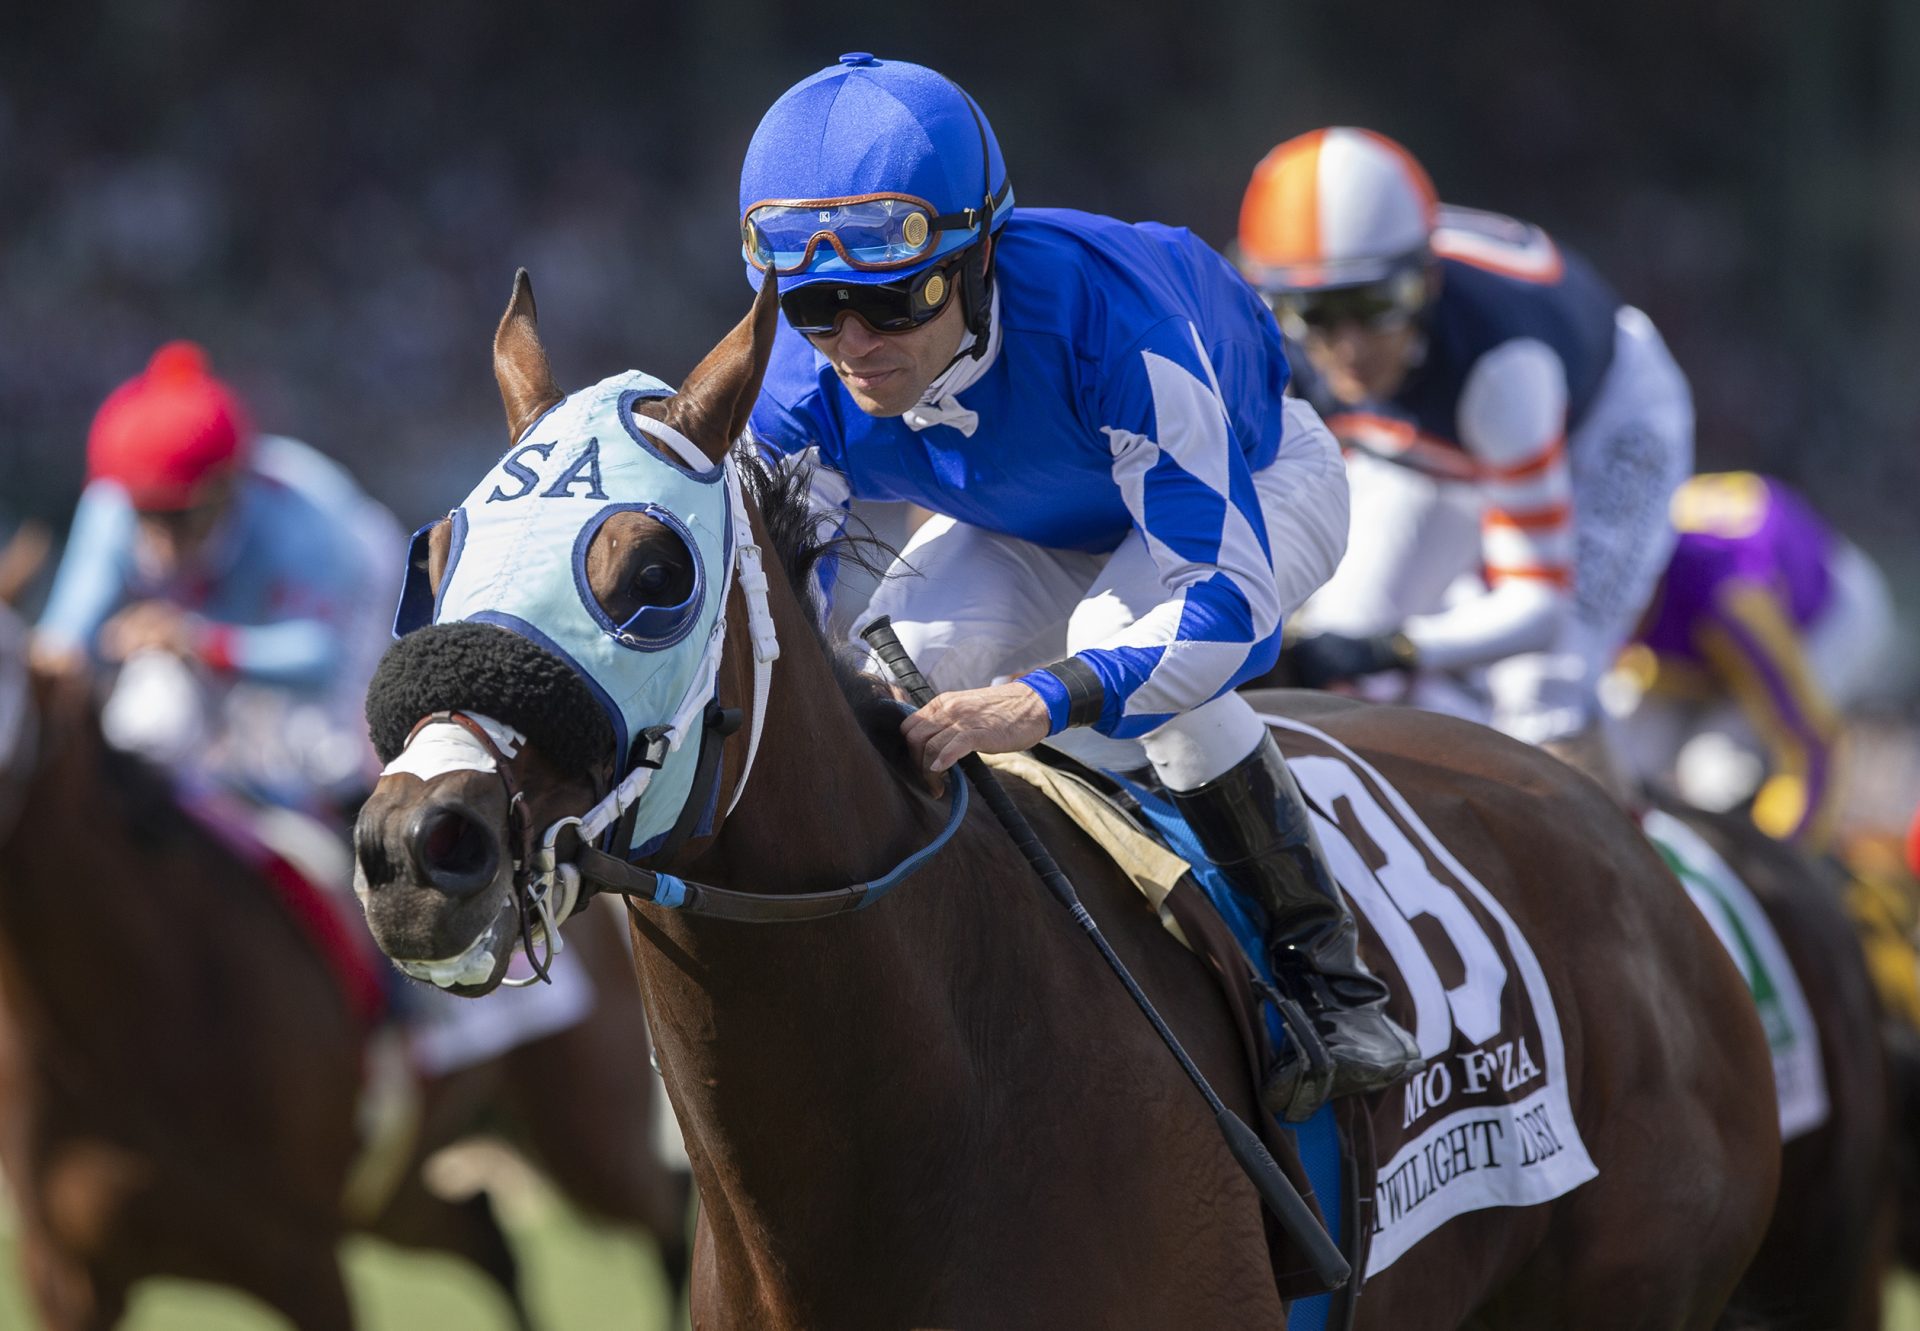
column 940, row 1110
column 181, row 1069
column 1832, row 1240
column 1832, row 1236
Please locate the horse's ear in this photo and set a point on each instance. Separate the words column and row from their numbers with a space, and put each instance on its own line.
column 520, row 362
column 439, row 548
column 714, row 403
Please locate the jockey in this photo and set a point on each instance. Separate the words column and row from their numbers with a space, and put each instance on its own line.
column 1127, row 501
column 1461, row 346
column 1767, row 625
column 235, row 580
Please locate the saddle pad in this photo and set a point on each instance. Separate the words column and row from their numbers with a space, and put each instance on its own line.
column 1489, row 1121
column 1742, row 926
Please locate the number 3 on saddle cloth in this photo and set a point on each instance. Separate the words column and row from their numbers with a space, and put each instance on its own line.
column 1488, row 1122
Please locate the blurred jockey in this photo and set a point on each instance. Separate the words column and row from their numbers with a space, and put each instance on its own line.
column 237, row 580
column 1096, row 411
column 1462, row 346
column 1766, row 627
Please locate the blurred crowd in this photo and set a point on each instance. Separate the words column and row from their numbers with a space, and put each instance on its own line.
column 334, row 203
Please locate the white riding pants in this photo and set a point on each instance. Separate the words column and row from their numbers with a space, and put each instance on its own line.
column 974, row 607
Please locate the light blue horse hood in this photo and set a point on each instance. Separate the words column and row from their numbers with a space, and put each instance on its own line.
column 518, row 560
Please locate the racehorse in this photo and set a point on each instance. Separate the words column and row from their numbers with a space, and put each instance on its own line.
column 1833, row 1234
column 1832, row 1240
column 179, row 1068
column 939, row 1110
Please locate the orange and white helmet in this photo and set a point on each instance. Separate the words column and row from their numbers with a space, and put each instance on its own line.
column 1335, row 208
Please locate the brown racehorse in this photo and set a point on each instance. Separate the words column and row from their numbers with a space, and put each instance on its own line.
column 1831, row 1243
column 179, row 1068
column 1834, row 1232
column 941, row 1111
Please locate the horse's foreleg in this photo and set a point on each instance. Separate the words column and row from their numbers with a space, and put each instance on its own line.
column 67, row 1296
column 311, row 1294
column 468, row 1228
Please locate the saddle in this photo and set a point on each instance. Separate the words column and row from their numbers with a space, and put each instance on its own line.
column 1322, row 1157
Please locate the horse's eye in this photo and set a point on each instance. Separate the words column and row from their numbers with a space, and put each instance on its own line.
column 653, row 579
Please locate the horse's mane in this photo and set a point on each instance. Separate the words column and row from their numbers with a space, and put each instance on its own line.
column 794, row 533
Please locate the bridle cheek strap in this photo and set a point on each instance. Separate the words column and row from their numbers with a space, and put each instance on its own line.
column 746, row 569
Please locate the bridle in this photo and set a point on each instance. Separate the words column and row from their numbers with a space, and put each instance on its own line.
column 558, row 867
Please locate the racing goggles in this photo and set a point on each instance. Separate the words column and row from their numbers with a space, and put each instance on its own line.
column 1376, row 308
column 868, row 233
column 885, row 307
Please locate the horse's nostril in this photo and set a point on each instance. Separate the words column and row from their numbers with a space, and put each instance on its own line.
column 454, row 852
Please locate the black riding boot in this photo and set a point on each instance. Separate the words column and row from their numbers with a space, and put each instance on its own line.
column 1253, row 824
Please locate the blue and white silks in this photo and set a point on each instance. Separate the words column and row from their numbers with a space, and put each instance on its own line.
column 1137, row 383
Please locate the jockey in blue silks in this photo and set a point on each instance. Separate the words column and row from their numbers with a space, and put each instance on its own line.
column 1096, row 412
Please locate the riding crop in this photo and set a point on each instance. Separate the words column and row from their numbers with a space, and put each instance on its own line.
column 1275, row 1189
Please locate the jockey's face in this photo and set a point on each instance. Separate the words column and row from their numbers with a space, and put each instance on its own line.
column 171, row 541
column 1361, row 364
column 1362, row 340
column 885, row 373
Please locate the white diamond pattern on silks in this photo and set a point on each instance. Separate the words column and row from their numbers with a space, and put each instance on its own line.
column 1186, row 670
column 1195, row 437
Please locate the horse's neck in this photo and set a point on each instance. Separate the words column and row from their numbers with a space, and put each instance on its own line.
column 836, row 1042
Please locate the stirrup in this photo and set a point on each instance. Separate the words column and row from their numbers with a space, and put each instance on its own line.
column 1301, row 1081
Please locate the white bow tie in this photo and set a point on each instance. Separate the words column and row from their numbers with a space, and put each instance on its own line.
column 946, row 411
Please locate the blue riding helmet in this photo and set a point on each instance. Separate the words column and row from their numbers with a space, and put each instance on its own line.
column 869, row 171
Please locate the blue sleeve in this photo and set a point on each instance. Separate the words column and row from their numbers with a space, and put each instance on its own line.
column 287, row 605
column 792, row 433
column 1186, row 483
column 787, row 416
column 92, row 581
column 296, row 653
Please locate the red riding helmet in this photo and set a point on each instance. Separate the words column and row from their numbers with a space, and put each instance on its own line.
column 168, row 431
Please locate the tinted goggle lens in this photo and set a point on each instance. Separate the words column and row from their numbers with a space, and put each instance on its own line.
column 875, row 232
column 1375, row 308
column 885, row 307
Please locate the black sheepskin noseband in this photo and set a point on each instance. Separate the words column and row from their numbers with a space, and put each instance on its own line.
column 484, row 668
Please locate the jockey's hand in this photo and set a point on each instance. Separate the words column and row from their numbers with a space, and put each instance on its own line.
column 55, row 656
column 148, row 626
column 1002, row 718
column 1334, row 658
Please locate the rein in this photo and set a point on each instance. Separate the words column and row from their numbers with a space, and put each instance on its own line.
column 565, row 865
column 564, row 850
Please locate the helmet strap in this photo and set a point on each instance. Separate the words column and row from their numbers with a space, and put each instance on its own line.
column 976, row 289
column 976, row 275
